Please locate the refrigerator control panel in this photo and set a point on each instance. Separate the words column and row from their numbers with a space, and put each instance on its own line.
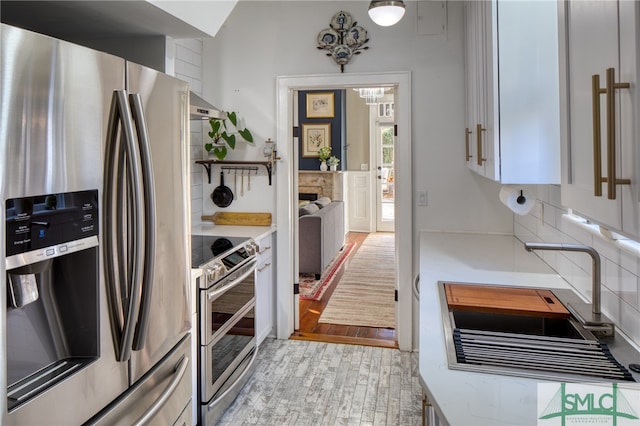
column 50, row 220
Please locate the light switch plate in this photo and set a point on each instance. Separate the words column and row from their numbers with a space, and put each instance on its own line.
column 422, row 198
column 364, row 167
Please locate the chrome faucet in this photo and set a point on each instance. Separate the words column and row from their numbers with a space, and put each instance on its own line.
column 594, row 321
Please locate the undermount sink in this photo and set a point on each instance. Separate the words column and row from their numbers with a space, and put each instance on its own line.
column 524, row 338
column 520, row 324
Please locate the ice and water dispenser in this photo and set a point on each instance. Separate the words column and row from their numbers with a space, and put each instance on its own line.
column 52, row 312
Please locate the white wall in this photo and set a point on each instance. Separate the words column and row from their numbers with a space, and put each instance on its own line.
column 264, row 39
column 620, row 268
column 357, row 137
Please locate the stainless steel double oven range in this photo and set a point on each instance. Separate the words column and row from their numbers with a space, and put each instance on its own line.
column 227, row 332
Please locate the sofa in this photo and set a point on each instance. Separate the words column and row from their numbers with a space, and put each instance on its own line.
column 321, row 234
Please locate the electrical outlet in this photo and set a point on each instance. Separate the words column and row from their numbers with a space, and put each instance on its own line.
column 364, row 167
column 422, row 198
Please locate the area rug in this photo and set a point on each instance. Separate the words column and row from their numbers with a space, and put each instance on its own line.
column 312, row 289
column 364, row 296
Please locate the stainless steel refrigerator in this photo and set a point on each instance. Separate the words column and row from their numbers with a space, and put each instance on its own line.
column 94, row 262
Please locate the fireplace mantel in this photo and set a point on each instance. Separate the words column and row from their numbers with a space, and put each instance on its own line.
column 325, row 184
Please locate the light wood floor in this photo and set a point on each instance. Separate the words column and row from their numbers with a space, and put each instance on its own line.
column 311, row 310
column 302, row 383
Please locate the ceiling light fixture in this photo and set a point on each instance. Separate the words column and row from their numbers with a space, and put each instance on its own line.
column 370, row 94
column 386, row 12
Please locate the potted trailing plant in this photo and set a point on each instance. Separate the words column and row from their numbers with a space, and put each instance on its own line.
column 323, row 155
column 223, row 135
column 333, row 162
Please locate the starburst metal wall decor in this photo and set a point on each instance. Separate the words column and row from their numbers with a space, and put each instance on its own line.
column 343, row 39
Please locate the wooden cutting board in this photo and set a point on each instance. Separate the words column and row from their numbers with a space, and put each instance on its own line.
column 504, row 299
column 237, row 218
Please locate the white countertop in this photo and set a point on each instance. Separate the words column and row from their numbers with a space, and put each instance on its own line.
column 255, row 232
column 462, row 397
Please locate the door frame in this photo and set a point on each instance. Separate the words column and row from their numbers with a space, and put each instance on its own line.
column 287, row 211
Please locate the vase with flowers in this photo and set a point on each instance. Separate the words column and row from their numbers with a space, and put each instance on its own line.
column 323, row 155
column 333, row 162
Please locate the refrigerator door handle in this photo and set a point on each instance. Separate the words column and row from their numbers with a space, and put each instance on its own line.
column 150, row 220
column 178, row 374
column 123, row 265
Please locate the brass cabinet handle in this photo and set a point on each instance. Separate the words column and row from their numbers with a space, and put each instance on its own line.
column 467, row 132
column 597, row 158
column 611, row 178
column 479, row 131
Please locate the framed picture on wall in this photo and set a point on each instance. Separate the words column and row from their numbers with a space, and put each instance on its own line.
column 320, row 105
column 314, row 137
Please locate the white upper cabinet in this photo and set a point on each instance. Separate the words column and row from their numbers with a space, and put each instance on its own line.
column 512, row 130
column 206, row 16
column 599, row 107
column 88, row 19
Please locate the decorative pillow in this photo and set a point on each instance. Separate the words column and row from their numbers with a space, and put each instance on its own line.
column 302, row 203
column 322, row 201
column 308, row 209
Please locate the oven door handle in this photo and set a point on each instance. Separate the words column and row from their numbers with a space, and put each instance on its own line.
column 215, row 293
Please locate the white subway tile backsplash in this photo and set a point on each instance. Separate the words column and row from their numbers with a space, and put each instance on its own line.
column 580, row 235
column 549, row 215
column 630, row 262
column 540, row 191
column 188, row 67
column 620, row 268
column 606, row 250
column 524, row 234
column 529, row 222
column 621, row 282
column 630, row 321
column 196, row 178
column 554, row 196
column 188, row 70
column 193, row 44
column 189, row 56
column 196, row 86
column 550, row 235
column 550, row 257
column 565, row 267
column 581, row 281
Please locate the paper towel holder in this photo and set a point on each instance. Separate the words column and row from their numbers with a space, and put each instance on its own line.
column 521, row 198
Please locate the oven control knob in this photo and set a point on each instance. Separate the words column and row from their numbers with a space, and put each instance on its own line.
column 214, row 272
column 250, row 248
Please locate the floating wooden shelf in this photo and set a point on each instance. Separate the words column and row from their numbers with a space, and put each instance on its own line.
column 208, row 163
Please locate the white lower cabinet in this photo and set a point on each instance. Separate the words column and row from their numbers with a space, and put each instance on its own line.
column 265, row 289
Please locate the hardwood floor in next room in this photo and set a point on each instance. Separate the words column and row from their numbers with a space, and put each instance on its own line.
column 311, row 310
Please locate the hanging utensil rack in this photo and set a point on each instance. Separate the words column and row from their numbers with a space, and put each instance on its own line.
column 242, row 169
column 237, row 165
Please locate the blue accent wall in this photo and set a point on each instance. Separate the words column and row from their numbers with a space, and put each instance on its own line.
column 338, row 126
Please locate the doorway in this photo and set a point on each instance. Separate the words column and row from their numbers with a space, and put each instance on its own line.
column 286, row 181
column 385, row 184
